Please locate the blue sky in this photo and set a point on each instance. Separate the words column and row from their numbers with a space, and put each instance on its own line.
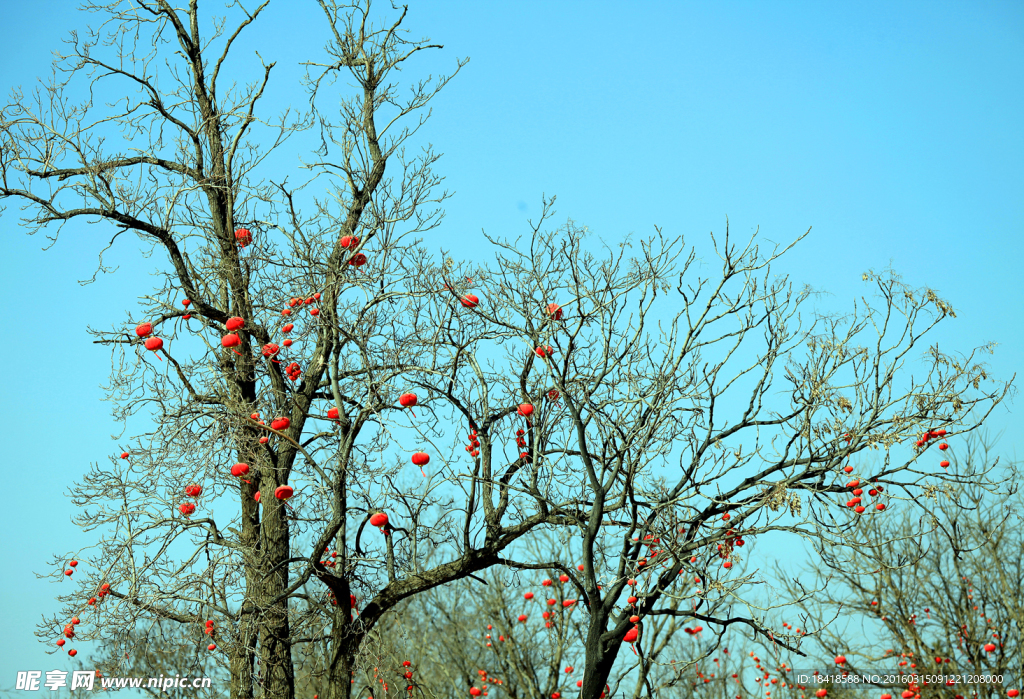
column 894, row 129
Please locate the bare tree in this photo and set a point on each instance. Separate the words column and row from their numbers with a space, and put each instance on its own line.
column 277, row 340
column 938, row 592
column 651, row 426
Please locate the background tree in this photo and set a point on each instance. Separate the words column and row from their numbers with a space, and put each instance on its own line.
column 475, row 638
column 520, row 634
column 944, row 596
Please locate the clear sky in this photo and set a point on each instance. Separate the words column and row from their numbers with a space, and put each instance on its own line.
column 893, row 128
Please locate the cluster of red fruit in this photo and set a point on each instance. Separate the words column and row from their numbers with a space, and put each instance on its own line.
column 334, row 600
column 278, row 423
column 725, row 548
column 521, row 443
column 933, row 434
column 69, row 633
column 104, row 591
column 209, row 632
column 329, row 562
column 231, row 339
column 153, row 344
column 856, row 500
column 263, row 440
column 351, row 242
column 548, row 616
column 474, row 444
column 651, row 542
column 500, row 638
column 295, row 301
column 485, row 681
column 524, row 410
column 192, row 491
column 69, row 629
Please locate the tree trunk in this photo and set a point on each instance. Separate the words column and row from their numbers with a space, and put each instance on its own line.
column 599, row 660
column 242, row 657
column 342, row 665
column 243, row 653
column 276, row 673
